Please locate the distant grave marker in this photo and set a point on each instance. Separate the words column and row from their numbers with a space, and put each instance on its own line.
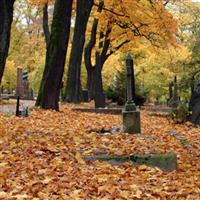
column 19, row 88
column 22, row 89
column 175, row 100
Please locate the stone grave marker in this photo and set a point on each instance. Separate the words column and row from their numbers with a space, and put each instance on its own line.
column 174, row 101
column 19, row 88
column 131, row 116
column 22, row 89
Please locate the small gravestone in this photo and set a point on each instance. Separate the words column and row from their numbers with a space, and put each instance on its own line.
column 194, row 104
column 131, row 117
column 174, row 101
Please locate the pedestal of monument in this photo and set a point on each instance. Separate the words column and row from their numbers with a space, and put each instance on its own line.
column 131, row 119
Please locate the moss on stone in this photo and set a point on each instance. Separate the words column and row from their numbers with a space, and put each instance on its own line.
column 166, row 162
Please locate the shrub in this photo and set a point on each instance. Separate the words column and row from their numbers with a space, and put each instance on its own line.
column 117, row 91
column 179, row 114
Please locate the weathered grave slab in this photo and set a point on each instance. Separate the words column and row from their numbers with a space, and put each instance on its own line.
column 166, row 162
column 112, row 111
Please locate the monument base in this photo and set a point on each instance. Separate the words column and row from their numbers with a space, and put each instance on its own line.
column 131, row 121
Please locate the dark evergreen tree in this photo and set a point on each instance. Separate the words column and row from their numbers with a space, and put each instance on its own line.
column 117, row 91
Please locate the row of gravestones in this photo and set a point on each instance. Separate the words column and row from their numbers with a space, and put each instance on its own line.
column 24, row 92
column 131, row 116
column 194, row 104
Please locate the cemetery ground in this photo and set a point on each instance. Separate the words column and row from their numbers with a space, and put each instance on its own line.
column 42, row 157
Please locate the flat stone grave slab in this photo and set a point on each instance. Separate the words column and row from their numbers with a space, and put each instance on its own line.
column 166, row 162
column 112, row 111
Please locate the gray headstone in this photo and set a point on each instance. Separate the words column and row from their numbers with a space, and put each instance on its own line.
column 131, row 117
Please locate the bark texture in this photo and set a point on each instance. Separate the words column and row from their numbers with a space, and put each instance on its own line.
column 6, row 18
column 49, row 92
column 88, row 54
column 46, row 24
column 73, row 89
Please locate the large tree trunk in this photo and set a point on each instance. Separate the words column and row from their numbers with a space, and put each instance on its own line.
column 73, row 88
column 48, row 97
column 6, row 18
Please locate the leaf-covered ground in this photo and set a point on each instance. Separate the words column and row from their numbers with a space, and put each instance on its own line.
column 40, row 158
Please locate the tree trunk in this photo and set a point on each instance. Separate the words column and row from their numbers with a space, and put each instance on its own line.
column 87, row 57
column 73, row 89
column 88, row 54
column 99, row 96
column 6, row 18
column 90, row 82
column 48, row 97
column 46, row 24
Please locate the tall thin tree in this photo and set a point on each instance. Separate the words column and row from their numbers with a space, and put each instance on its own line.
column 73, row 89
